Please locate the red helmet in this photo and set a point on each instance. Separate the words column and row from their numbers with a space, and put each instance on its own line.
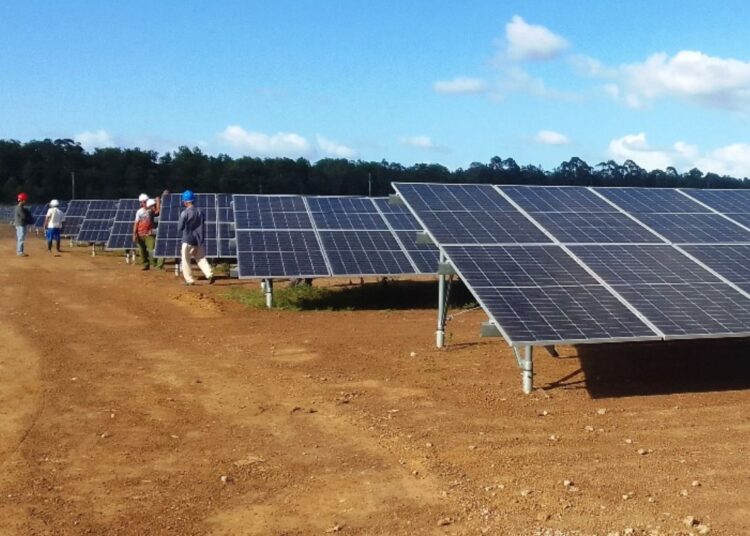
column 22, row 197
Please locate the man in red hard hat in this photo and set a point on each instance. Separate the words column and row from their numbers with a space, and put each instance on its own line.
column 21, row 218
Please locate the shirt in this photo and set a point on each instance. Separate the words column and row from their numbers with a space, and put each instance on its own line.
column 55, row 218
column 144, row 222
column 190, row 225
column 22, row 216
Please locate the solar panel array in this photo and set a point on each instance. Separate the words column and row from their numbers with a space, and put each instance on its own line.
column 40, row 212
column 580, row 265
column 97, row 223
column 295, row 236
column 74, row 217
column 121, row 235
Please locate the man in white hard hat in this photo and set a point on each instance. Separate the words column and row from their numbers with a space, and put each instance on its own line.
column 142, row 227
column 53, row 224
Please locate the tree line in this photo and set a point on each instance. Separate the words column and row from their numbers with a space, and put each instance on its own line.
column 45, row 169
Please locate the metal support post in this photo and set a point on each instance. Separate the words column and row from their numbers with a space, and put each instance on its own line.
column 93, row 250
column 526, row 364
column 440, row 333
column 176, row 267
column 268, row 290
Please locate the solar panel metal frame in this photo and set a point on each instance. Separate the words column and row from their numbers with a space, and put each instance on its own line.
column 121, row 236
column 95, row 217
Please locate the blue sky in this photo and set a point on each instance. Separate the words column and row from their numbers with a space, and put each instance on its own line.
column 663, row 83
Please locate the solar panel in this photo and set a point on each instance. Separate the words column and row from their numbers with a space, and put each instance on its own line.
column 725, row 201
column 595, row 227
column 651, row 200
column 730, row 261
column 74, row 217
column 279, row 254
column 453, row 197
column 97, row 222
column 169, row 241
column 41, row 215
column 405, row 227
column 695, row 228
column 364, row 253
column 557, row 199
column 121, row 235
column 226, row 244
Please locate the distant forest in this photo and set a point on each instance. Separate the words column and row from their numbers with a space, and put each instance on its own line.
column 43, row 169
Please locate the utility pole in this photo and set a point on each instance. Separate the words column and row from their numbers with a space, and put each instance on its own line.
column 73, row 185
column 369, row 184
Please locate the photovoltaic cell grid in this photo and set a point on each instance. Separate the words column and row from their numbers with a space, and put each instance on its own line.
column 121, row 236
column 74, row 217
column 97, row 223
column 642, row 285
column 169, row 241
column 406, row 226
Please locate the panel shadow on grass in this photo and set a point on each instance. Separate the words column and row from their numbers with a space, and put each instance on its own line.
column 378, row 295
column 642, row 369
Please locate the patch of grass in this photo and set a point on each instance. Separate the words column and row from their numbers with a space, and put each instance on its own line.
column 294, row 298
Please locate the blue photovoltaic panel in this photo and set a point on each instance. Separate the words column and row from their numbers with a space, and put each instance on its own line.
column 71, row 226
column 741, row 218
column 171, row 206
column 279, row 254
column 347, row 205
column 364, row 253
column 272, row 220
column 226, row 240
column 539, row 315
column 517, row 266
column 77, row 207
column 97, row 222
column 425, row 256
column 121, row 236
column 452, row 197
column 731, row 262
column 41, row 216
column 691, row 310
column 224, row 200
column 635, row 264
column 557, row 199
column 725, row 201
column 651, row 200
column 695, row 228
column 354, row 220
column 168, row 240
column 479, row 227
column 268, row 203
column 595, row 227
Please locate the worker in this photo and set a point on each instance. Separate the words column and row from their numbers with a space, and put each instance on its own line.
column 191, row 226
column 53, row 221
column 21, row 218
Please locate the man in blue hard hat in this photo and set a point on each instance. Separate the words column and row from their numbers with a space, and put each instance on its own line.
column 190, row 226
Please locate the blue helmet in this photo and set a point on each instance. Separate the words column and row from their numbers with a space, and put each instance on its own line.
column 188, row 196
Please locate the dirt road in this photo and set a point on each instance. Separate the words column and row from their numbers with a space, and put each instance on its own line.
column 132, row 405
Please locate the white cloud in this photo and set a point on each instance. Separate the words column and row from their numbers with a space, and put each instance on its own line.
column 97, row 139
column 282, row 144
column 635, row 147
column 335, row 149
column 733, row 159
column 422, row 142
column 688, row 75
column 550, row 137
column 531, row 41
column 460, row 85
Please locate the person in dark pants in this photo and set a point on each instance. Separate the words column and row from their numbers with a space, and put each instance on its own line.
column 142, row 227
column 53, row 224
column 21, row 219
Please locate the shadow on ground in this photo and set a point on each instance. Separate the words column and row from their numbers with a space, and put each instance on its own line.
column 642, row 369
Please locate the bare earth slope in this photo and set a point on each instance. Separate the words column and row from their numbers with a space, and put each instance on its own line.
column 130, row 404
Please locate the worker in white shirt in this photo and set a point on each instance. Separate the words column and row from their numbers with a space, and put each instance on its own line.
column 53, row 224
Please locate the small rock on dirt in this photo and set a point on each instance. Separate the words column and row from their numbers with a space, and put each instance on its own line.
column 444, row 521
column 689, row 521
column 601, row 411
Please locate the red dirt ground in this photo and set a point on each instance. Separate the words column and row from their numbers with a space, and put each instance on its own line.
column 126, row 397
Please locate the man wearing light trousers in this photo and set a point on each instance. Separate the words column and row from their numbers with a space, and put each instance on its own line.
column 190, row 226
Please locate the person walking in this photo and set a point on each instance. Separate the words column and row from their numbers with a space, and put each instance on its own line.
column 21, row 218
column 154, row 205
column 53, row 224
column 142, row 227
column 191, row 226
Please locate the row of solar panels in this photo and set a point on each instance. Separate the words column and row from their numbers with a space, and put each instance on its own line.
column 573, row 264
column 296, row 236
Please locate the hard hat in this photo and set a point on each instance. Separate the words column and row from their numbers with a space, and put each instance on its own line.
column 150, row 203
column 142, row 198
column 23, row 197
column 188, row 196
column 54, row 203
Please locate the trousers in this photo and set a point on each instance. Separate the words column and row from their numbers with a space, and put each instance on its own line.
column 194, row 252
column 20, row 239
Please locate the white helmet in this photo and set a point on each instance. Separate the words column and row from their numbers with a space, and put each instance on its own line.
column 150, row 203
column 54, row 203
column 142, row 198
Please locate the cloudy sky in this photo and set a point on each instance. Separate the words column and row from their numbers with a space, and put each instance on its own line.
column 664, row 83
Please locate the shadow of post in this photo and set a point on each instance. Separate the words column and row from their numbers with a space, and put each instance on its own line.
column 641, row 369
